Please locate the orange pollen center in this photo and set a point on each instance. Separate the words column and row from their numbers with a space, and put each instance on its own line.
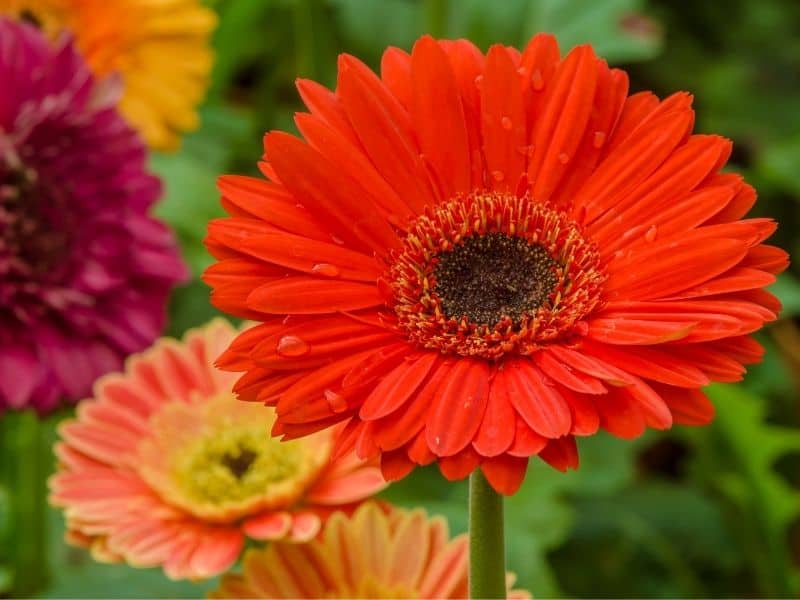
column 491, row 274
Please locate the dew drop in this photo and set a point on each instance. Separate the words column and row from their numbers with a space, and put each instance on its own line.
column 336, row 401
column 523, row 150
column 479, row 81
column 291, row 345
column 563, row 158
column 337, row 240
column 522, row 71
column 599, row 139
column 498, row 176
column 650, row 235
column 326, row 269
column 437, row 441
column 506, row 123
column 537, row 80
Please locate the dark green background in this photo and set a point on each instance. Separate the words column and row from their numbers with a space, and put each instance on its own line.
column 689, row 513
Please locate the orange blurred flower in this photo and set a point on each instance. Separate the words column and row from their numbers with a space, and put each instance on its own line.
column 375, row 553
column 160, row 48
column 164, row 466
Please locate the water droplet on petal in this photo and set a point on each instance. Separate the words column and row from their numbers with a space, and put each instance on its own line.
column 291, row 345
column 537, row 80
column 326, row 269
column 336, row 401
column 599, row 139
column 479, row 80
column 498, row 175
column 650, row 235
column 437, row 441
column 337, row 240
column 506, row 123
column 563, row 158
column 523, row 150
column 522, row 71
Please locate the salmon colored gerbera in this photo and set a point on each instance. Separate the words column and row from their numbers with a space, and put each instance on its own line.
column 373, row 554
column 473, row 259
column 165, row 467
column 159, row 48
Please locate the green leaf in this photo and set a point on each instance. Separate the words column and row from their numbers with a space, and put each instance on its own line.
column 736, row 456
column 617, row 29
column 787, row 289
column 190, row 197
column 665, row 532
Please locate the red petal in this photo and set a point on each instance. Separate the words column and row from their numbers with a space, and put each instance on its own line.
column 438, row 116
column 609, row 98
column 311, row 256
column 629, row 331
column 505, row 473
column 538, row 63
column 395, row 465
column 394, row 431
column 272, row 203
column 319, row 186
column 503, row 120
column 309, row 295
column 353, row 162
column 459, row 465
column 566, row 376
column 623, row 170
column 561, row 453
column 315, row 383
column 689, row 407
column 559, row 130
column 536, row 399
column 665, row 365
column 496, row 432
column 620, row 414
column 526, row 441
column 324, row 104
column 591, row 365
column 458, row 410
column 397, row 387
column 668, row 266
column 585, row 418
column 396, row 74
column 467, row 64
column 384, row 128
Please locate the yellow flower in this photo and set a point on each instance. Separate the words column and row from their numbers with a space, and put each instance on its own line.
column 378, row 552
column 158, row 47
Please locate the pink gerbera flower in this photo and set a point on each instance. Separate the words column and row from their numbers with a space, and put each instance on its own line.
column 84, row 270
column 164, row 466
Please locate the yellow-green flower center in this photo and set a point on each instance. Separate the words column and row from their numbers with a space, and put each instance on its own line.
column 216, row 460
column 234, row 465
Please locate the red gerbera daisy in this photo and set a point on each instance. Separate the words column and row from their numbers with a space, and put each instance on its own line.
column 473, row 259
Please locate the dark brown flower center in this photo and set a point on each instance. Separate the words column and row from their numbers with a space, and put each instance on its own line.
column 33, row 231
column 488, row 277
column 490, row 274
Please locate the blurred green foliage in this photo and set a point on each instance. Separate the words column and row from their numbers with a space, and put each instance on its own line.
column 709, row 512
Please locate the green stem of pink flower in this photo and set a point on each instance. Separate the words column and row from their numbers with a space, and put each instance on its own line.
column 487, row 563
column 23, row 505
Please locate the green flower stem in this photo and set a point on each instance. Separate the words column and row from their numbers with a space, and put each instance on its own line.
column 487, row 563
column 23, row 469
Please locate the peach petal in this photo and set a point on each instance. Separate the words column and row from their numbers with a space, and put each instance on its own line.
column 268, row 526
column 217, row 551
column 305, row 526
column 348, row 488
